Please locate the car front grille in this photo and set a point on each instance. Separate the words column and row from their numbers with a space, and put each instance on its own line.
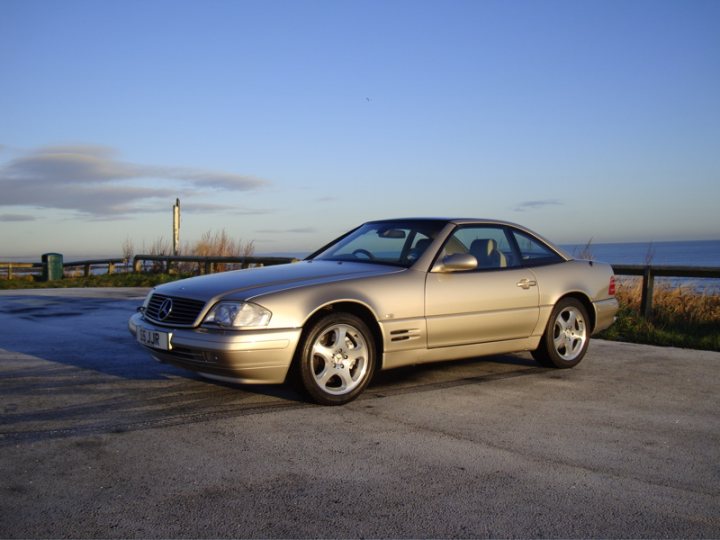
column 182, row 311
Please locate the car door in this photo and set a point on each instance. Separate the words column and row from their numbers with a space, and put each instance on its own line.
column 496, row 301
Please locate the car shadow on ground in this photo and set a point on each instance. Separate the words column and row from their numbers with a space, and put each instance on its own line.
column 408, row 379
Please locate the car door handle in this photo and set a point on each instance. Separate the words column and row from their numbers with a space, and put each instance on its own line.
column 526, row 283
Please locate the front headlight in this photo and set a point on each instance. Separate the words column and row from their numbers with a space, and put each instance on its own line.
column 238, row 315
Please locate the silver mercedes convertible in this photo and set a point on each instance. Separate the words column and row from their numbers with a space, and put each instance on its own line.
column 387, row 294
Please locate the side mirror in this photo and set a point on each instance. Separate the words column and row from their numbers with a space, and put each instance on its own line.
column 457, row 262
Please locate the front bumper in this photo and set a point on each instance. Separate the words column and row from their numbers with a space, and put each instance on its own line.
column 245, row 356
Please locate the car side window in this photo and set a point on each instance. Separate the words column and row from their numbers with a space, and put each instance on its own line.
column 490, row 245
column 533, row 252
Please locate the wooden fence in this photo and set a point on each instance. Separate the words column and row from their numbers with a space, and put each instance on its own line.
column 650, row 272
column 205, row 265
column 162, row 263
column 9, row 270
column 94, row 263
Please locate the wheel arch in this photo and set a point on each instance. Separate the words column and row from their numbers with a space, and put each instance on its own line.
column 584, row 299
column 358, row 309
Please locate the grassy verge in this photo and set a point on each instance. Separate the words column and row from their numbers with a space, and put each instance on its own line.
column 114, row 280
column 682, row 317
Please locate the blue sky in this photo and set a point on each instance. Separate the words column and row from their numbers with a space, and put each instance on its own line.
column 288, row 122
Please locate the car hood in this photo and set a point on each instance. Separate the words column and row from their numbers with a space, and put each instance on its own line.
column 245, row 284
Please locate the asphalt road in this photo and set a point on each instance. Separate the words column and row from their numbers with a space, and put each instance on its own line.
column 98, row 440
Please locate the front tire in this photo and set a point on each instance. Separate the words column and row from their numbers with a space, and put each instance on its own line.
column 566, row 337
column 337, row 359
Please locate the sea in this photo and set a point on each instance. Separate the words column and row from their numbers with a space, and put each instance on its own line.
column 694, row 253
column 701, row 253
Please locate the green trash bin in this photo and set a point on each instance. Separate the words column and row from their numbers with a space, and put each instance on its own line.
column 52, row 266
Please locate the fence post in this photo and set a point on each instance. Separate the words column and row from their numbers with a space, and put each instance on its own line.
column 647, row 292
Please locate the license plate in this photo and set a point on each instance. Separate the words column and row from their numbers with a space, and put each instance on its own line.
column 153, row 338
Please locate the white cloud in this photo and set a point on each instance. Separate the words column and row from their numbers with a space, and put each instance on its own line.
column 91, row 180
column 16, row 217
column 218, row 180
column 535, row 205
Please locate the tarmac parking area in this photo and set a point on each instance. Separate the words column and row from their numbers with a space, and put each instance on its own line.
column 99, row 440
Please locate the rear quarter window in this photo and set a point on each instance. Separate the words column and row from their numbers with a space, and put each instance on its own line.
column 533, row 252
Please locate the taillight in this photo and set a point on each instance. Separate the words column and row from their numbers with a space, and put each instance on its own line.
column 611, row 287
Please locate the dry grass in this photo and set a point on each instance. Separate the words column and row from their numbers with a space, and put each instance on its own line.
column 673, row 304
column 128, row 249
column 160, row 246
column 682, row 316
column 211, row 244
column 219, row 244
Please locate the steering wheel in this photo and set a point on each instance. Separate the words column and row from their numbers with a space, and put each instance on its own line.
column 364, row 252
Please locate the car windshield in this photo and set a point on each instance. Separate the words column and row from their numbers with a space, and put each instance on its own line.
column 398, row 243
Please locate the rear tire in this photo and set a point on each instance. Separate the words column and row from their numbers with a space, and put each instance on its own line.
column 337, row 359
column 566, row 337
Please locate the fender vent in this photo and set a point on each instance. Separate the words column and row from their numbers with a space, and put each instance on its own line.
column 404, row 335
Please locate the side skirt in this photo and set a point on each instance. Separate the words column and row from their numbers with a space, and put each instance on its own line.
column 421, row 356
